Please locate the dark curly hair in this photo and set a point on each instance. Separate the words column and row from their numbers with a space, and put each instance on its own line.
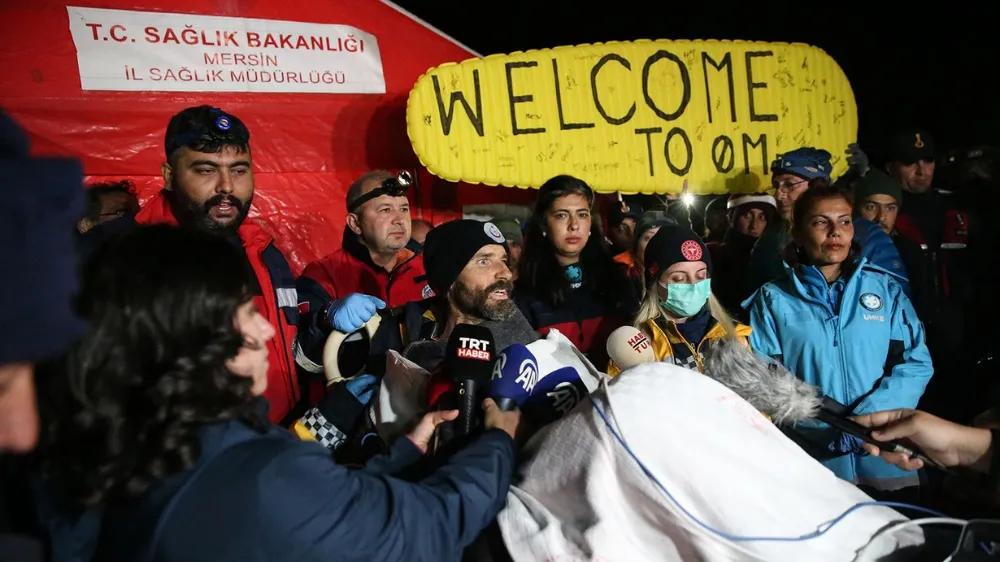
column 539, row 273
column 122, row 408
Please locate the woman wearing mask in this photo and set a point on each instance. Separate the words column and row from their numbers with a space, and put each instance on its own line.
column 847, row 327
column 567, row 279
column 157, row 444
column 679, row 313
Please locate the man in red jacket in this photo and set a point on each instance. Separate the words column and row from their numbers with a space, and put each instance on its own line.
column 378, row 266
column 208, row 185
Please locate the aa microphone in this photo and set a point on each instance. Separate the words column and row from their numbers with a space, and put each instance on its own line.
column 555, row 395
column 515, row 374
column 629, row 347
column 468, row 362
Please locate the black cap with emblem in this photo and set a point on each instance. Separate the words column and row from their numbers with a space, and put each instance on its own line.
column 451, row 245
column 910, row 146
column 205, row 129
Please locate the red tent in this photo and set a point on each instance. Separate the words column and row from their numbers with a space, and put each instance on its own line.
column 308, row 147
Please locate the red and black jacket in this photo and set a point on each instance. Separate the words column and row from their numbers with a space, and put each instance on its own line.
column 347, row 271
column 585, row 318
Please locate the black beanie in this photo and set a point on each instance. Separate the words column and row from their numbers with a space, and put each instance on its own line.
column 449, row 247
column 673, row 244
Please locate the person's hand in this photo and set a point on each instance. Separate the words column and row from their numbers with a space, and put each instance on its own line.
column 857, row 160
column 421, row 435
column 944, row 442
column 351, row 312
column 496, row 418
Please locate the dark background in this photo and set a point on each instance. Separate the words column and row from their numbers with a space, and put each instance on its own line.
column 928, row 65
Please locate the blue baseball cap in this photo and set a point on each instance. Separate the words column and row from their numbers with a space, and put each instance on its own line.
column 806, row 162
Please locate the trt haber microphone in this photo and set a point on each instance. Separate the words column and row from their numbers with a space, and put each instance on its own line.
column 469, row 362
column 629, row 347
column 515, row 374
column 555, row 395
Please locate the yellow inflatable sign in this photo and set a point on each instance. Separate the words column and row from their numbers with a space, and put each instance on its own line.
column 644, row 116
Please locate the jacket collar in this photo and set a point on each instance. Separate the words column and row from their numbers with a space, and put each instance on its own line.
column 355, row 248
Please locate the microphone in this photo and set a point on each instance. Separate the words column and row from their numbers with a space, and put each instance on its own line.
column 555, row 395
column 771, row 389
column 468, row 362
column 515, row 375
column 629, row 347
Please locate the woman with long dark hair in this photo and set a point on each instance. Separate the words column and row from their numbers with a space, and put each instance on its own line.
column 846, row 326
column 155, row 425
column 567, row 278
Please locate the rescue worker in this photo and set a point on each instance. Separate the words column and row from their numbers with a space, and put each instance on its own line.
column 378, row 266
column 208, row 185
column 679, row 313
column 845, row 326
column 567, row 278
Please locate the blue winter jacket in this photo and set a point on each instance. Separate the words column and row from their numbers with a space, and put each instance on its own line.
column 857, row 339
column 272, row 496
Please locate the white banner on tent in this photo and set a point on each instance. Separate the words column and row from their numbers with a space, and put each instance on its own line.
column 126, row 50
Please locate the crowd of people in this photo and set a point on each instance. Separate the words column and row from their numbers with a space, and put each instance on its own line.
column 170, row 363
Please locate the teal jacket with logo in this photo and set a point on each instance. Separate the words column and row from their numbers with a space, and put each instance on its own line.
column 857, row 339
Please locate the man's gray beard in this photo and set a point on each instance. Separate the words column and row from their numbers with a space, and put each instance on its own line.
column 478, row 304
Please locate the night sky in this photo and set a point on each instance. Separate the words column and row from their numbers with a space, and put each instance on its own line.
column 928, row 68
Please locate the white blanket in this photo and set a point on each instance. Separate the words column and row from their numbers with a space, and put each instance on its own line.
column 583, row 497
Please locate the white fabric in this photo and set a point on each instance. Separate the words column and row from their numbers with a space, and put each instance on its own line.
column 583, row 497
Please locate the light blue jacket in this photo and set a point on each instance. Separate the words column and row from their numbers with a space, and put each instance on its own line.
column 858, row 340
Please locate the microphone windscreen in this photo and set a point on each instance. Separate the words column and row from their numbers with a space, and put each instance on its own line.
column 515, row 374
column 629, row 347
column 555, row 395
column 469, row 354
column 765, row 384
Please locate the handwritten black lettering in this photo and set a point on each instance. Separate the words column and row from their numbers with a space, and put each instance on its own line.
column 446, row 115
column 683, row 170
column 597, row 100
column 751, row 86
column 723, row 154
column 685, row 81
column 563, row 125
column 747, row 144
column 649, row 144
column 514, row 100
column 727, row 64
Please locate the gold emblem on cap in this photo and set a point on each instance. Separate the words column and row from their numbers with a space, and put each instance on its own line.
column 918, row 143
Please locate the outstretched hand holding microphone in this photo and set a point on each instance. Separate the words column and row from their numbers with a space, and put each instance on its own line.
column 946, row 443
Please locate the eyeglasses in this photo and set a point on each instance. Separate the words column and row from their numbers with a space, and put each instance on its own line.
column 393, row 187
column 788, row 186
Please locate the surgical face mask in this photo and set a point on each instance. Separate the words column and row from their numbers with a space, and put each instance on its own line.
column 686, row 299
